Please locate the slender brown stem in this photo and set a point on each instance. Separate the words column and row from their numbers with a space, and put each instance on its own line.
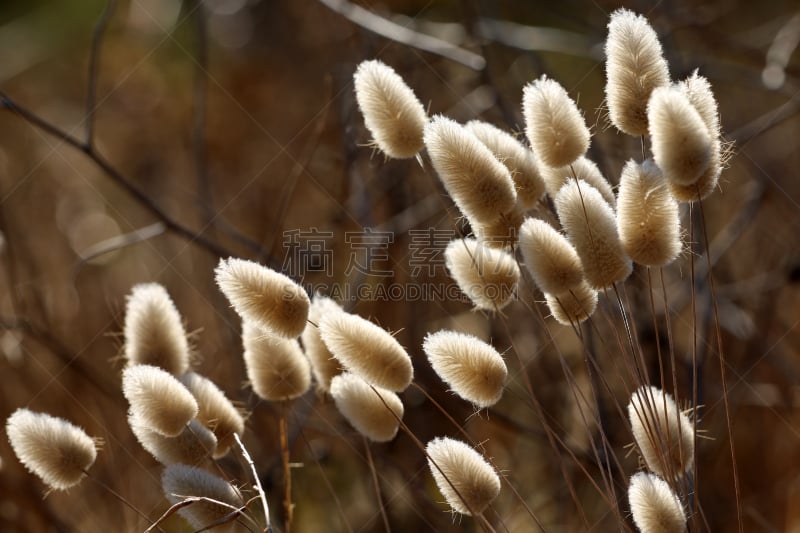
column 287, row 472
column 376, row 484
column 120, row 497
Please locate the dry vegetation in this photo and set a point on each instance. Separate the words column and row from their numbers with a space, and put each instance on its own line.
column 218, row 129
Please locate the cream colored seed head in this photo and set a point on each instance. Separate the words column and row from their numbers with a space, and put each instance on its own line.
column 582, row 169
column 324, row 365
column 365, row 408
column 591, row 227
column 158, row 400
column 192, row 446
column 477, row 182
column 277, row 368
column 681, row 142
column 655, row 507
column 486, row 275
column 216, row 411
column 635, row 65
column 182, row 481
column 263, row 296
column 472, row 368
column 392, row 112
column 707, row 182
column 52, row 448
column 553, row 124
column 518, row 159
column 663, row 434
column 549, row 257
column 647, row 215
column 573, row 306
column 367, row 350
column 501, row 233
column 154, row 332
column 467, row 481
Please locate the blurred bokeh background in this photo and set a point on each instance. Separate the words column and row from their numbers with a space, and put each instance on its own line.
column 225, row 127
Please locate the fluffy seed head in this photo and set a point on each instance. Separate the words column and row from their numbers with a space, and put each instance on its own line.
column 708, row 180
column 583, row 169
column 698, row 90
column 392, row 112
column 549, row 257
column 664, row 435
column 55, row 450
column 277, row 368
column 487, row 276
column 472, row 368
column 263, row 296
column 364, row 409
column 182, row 481
column 475, row 481
column 518, row 159
column 215, row 411
column 555, row 127
column 367, row 350
column 681, row 142
column 501, row 233
column 158, row 400
column 647, row 215
column 191, row 447
column 479, row 184
column 635, row 65
column 573, row 306
column 592, row 228
column 154, row 333
column 655, row 508
column 323, row 364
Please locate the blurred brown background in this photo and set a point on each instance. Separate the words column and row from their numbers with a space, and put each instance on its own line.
column 235, row 121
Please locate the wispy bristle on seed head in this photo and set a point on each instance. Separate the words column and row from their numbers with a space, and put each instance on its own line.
column 591, row 227
column 182, row 481
column 465, row 479
column 549, row 257
column 392, row 112
column 635, row 65
column 477, row 182
column 572, row 307
column 263, row 296
column 663, row 434
column 157, row 399
column 323, row 364
column 472, row 368
column 52, row 448
column 154, row 333
column 364, row 409
column 681, row 141
column 517, row 158
column 655, row 507
column 647, row 215
column 367, row 350
column 276, row 367
column 215, row 411
column 582, row 169
column 192, row 446
column 486, row 275
column 553, row 124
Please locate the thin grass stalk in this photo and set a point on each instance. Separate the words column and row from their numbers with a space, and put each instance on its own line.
column 376, row 484
column 720, row 355
column 257, row 481
column 122, row 499
column 696, row 499
column 287, row 470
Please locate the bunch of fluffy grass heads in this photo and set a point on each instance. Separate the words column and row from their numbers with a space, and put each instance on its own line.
column 570, row 256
